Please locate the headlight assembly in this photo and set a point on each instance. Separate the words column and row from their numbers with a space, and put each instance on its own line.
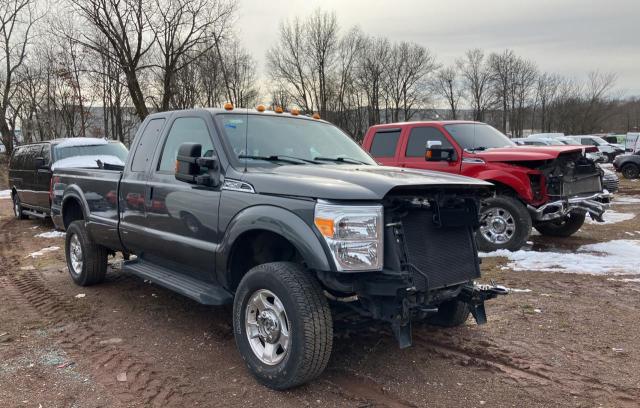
column 353, row 233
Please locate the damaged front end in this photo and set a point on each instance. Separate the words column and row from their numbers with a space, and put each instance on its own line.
column 430, row 259
column 573, row 183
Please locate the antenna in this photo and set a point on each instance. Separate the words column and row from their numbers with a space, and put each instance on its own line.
column 246, row 139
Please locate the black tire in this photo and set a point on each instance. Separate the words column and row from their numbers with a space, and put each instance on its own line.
column 520, row 224
column 94, row 256
column 17, row 208
column 630, row 171
column 451, row 314
column 562, row 228
column 308, row 320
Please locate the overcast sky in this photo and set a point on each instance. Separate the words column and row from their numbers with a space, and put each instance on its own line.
column 570, row 37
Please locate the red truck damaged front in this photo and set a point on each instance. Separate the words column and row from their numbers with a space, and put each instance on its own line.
column 550, row 188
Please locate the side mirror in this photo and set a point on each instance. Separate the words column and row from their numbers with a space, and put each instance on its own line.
column 194, row 169
column 435, row 152
column 39, row 162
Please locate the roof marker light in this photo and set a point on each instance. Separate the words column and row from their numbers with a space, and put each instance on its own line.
column 260, row 108
column 228, row 106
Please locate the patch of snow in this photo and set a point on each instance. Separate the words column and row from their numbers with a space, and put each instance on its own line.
column 634, row 280
column 80, row 296
column 42, row 251
column 51, row 234
column 612, row 257
column 5, row 194
column 623, row 200
column 514, row 290
column 82, row 141
column 611, row 217
column 86, row 161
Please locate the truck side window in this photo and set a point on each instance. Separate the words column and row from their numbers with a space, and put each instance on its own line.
column 147, row 144
column 46, row 154
column 184, row 130
column 17, row 158
column 417, row 143
column 384, row 144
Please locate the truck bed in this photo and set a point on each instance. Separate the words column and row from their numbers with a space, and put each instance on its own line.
column 95, row 190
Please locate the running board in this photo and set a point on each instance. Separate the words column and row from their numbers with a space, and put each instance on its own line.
column 34, row 213
column 201, row 292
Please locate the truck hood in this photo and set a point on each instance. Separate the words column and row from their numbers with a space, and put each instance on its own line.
column 529, row 153
column 350, row 182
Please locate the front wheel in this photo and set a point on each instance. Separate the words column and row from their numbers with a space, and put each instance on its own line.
column 282, row 324
column 564, row 227
column 504, row 224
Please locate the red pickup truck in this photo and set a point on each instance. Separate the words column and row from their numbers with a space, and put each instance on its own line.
column 551, row 188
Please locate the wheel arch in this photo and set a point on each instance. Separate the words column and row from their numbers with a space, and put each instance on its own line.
column 73, row 207
column 264, row 226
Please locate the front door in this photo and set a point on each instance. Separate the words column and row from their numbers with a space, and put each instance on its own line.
column 182, row 218
column 414, row 147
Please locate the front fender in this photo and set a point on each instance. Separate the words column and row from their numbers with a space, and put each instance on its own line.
column 518, row 182
column 277, row 220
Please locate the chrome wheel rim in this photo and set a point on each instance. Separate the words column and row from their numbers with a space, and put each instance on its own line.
column 75, row 255
column 16, row 208
column 267, row 327
column 498, row 225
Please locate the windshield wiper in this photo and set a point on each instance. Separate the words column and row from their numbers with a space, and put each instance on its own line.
column 341, row 160
column 280, row 158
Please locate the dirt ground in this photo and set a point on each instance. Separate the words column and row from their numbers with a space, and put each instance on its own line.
column 573, row 340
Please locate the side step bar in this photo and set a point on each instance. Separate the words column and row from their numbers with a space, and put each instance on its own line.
column 202, row 292
column 35, row 213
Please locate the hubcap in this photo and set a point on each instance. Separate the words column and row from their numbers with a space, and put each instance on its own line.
column 75, row 255
column 16, row 208
column 497, row 226
column 267, row 327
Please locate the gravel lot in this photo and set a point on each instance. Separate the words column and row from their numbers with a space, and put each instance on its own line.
column 565, row 339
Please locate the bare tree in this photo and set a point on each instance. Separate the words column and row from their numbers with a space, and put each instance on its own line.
column 476, row 77
column 371, row 74
column 446, row 84
column 321, row 48
column 126, row 27
column 17, row 18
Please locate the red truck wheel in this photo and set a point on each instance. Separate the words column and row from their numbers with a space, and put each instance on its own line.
column 504, row 224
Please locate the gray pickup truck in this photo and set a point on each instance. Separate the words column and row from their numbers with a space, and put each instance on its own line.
column 283, row 216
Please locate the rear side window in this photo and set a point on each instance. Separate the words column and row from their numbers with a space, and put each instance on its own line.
column 147, row 144
column 30, row 154
column 418, row 138
column 384, row 143
column 184, row 130
column 17, row 158
column 46, row 154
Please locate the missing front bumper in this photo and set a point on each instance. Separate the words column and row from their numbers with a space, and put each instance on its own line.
column 595, row 205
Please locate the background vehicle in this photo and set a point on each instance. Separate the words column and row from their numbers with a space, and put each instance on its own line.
column 549, row 187
column 603, row 146
column 558, row 139
column 632, row 142
column 281, row 218
column 31, row 166
column 628, row 165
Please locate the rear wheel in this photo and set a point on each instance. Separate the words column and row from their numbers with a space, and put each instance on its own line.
column 282, row 324
column 17, row 208
column 564, row 227
column 504, row 224
column 86, row 260
column 630, row 171
column 451, row 314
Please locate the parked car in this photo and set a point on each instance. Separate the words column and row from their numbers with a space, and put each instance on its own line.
column 552, row 188
column 632, row 142
column 558, row 139
column 603, row 146
column 280, row 215
column 31, row 166
column 628, row 165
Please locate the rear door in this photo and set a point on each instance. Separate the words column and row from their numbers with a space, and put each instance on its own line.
column 134, row 185
column 16, row 168
column 414, row 146
column 182, row 218
column 28, row 174
column 384, row 146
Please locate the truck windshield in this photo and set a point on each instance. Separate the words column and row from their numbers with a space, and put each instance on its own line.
column 288, row 140
column 108, row 149
column 478, row 136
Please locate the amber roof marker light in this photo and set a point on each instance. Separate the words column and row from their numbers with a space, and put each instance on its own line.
column 228, row 106
column 278, row 109
column 261, row 108
column 316, row 115
column 295, row 111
